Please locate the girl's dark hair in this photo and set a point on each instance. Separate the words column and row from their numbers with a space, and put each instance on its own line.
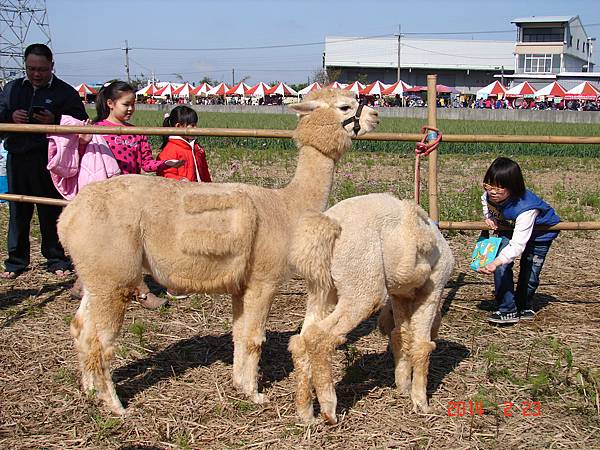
column 506, row 173
column 183, row 115
column 112, row 91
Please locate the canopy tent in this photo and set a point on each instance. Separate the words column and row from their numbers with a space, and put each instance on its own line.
column 398, row 88
column 167, row 89
column 311, row 87
column 258, row 90
column 355, row 87
column 282, row 89
column 583, row 91
column 239, row 89
column 148, row 90
column 83, row 90
column 185, row 90
column 202, row 89
column 219, row 89
column 552, row 90
column 375, row 88
column 337, row 85
column 494, row 89
column 521, row 90
column 439, row 88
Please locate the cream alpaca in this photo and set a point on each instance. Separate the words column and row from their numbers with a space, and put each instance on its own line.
column 354, row 256
column 219, row 238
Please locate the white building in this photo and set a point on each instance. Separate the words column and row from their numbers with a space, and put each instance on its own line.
column 465, row 64
column 553, row 48
column 546, row 49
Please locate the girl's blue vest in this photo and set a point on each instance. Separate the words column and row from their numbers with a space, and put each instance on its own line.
column 506, row 213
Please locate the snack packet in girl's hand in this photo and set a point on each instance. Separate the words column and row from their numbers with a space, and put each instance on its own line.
column 485, row 252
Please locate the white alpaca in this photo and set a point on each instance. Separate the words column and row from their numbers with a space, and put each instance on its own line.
column 354, row 256
column 208, row 237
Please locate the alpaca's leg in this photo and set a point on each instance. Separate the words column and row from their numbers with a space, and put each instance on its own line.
column 318, row 305
column 323, row 337
column 302, row 371
column 94, row 328
column 400, row 341
column 422, row 323
column 250, row 318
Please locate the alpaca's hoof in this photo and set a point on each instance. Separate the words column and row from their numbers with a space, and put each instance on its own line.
column 330, row 418
column 404, row 387
column 118, row 410
column 306, row 413
column 421, row 406
column 259, row 399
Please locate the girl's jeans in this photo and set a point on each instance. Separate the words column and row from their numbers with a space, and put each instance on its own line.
column 532, row 261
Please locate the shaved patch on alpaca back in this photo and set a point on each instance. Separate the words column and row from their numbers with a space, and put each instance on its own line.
column 217, row 229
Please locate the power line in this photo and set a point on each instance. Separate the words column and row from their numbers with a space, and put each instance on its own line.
column 88, row 51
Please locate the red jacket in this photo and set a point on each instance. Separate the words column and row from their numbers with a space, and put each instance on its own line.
column 195, row 163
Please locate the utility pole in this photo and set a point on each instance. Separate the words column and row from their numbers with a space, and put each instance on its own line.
column 399, row 37
column 127, row 61
column 233, row 77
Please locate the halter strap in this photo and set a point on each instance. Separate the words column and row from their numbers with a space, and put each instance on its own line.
column 355, row 119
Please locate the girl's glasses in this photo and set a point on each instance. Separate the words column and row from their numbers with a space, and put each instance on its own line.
column 496, row 189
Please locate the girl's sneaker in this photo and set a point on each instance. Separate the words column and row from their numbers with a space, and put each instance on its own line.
column 175, row 296
column 527, row 314
column 504, row 318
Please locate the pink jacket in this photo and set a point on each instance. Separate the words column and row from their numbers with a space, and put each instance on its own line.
column 68, row 170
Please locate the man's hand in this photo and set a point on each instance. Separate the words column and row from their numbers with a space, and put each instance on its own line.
column 44, row 117
column 20, row 116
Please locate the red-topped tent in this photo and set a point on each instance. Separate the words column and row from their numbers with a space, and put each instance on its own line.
column 521, row 90
column 375, row 88
column 493, row 89
column 185, row 90
column 337, row 85
column 83, row 90
column 148, row 90
column 167, row 89
column 399, row 87
column 219, row 89
column 311, row 87
column 258, row 90
column 202, row 89
column 355, row 87
column 583, row 91
column 239, row 89
column 552, row 90
column 282, row 89
column 440, row 89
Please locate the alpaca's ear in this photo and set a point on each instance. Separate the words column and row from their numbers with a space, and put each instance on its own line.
column 306, row 107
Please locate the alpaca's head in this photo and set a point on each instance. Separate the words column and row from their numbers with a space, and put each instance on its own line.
column 329, row 118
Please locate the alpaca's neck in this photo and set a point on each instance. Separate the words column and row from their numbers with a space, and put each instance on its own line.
column 311, row 185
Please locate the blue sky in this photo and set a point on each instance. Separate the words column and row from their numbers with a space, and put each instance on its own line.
column 183, row 24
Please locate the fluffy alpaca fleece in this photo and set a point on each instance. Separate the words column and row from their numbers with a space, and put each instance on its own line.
column 354, row 256
column 217, row 238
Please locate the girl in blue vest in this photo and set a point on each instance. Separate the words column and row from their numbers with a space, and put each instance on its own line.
column 507, row 202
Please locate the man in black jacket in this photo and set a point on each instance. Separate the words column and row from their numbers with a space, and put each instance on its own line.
column 42, row 98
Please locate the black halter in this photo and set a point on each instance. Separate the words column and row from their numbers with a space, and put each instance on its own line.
column 355, row 119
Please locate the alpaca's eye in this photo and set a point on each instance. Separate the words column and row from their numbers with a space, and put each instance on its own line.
column 345, row 108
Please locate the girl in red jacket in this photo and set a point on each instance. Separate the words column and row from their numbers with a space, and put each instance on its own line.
column 183, row 148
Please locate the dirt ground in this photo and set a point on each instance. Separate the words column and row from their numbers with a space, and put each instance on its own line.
column 173, row 371
column 532, row 385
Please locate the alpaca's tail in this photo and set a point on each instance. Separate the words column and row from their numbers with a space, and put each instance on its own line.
column 312, row 249
column 418, row 240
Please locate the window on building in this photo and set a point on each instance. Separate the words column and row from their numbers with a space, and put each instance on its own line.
column 570, row 41
column 549, row 34
column 538, row 63
column 577, row 44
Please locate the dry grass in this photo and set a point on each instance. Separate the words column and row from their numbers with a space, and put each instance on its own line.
column 173, row 369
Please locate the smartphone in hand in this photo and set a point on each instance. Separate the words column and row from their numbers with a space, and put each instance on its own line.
column 34, row 110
